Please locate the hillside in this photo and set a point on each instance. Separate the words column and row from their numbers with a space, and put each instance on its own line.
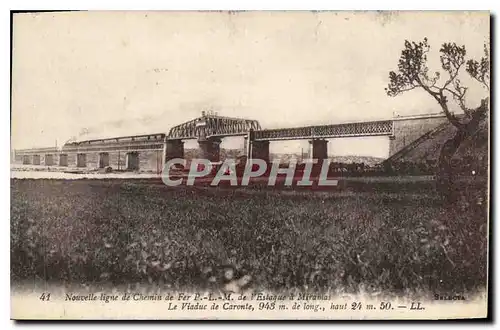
column 428, row 148
column 224, row 153
column 367, row 160
column 235, row 153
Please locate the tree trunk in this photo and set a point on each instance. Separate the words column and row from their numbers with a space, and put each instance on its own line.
column 445, row 173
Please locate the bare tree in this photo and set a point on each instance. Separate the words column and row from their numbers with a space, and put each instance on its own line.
column 413, row 73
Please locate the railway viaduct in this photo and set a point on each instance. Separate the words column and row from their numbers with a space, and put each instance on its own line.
column 149, row 152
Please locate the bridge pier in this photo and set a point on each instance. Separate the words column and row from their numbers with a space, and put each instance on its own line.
column 174, row 149
column 63, row 160
column 260, row 150
column 49, row 160
column 210, row 149
column 81, row 160
column 245, row 146
column 319, row 150
column 103, row 160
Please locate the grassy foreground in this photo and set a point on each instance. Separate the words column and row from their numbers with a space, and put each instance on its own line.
column 89, row 231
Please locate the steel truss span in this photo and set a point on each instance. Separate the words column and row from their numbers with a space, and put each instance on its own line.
column 212, row 126
column 374, row 128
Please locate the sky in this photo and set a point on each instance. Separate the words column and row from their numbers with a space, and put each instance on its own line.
column 104, row 74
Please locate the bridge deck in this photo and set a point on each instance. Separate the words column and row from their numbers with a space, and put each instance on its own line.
column 212, row 126
column 216, row 126
column 373, row 128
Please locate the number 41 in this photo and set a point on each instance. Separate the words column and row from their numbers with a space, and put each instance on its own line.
column 45, row 296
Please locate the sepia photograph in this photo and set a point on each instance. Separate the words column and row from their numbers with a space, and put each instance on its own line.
column 257, row 165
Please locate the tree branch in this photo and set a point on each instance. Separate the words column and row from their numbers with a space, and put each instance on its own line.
column 441, row 99
column 413, row 72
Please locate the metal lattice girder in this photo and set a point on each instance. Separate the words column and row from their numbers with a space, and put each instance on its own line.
column 212, row 126
column 384, row 127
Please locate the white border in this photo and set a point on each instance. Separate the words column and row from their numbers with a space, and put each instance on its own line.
column 8, row 5
column 251, row 5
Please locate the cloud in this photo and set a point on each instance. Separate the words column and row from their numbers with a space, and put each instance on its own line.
column 124, row 73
